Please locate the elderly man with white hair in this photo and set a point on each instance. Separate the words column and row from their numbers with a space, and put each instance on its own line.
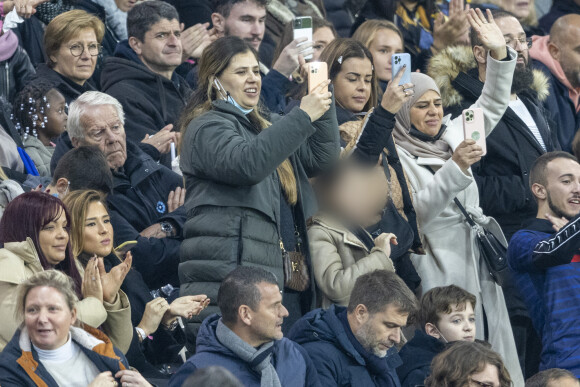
column 147, row 200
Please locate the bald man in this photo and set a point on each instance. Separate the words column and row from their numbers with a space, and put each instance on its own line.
column 558, row 55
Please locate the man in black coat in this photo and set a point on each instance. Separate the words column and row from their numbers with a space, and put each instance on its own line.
column 523, row 134
column 147, row 200
column 141, row 75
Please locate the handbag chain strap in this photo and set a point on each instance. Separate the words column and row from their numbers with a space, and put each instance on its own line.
column 468, row 217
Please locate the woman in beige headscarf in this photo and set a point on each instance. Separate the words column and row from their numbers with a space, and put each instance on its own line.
column 437, row 161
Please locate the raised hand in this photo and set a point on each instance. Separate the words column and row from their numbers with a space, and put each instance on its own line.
column 288, row 61
column 454, row 30
column 111, row 281
column 466, row 154
column 162, row 140
column 188, row 306
column 488, row 33
column 154, row 312
column 194, row 40
column 91, row 286
column 318, row 102
column 396, row 95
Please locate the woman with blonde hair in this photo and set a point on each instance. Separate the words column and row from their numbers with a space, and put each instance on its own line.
column 52, row 348
column 34, row 231
column 248, row 194
column 383, row 39
column 154, row 319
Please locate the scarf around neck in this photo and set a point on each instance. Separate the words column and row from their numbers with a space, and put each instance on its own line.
column 402, row 133
column 258, row 359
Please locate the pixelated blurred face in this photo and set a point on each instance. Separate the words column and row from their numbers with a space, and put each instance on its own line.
column 53, row 239
column 247, row 20
column 427, row 113
column 570, row 56
column 47, row 317
column 71, row 63
column 386, row 43
column 489, row 377
column 267, row 319
column 321, row 37
column 242, row 80
column 382, row 330
column 459, row 325
column 56, row 115
column 353, row 84
column 161, row 47
column 98, row 235
column 103, row 128
column 563, row 187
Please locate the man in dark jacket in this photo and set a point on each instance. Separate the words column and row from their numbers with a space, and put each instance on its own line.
column 247, row 20
column 558, row 56
column 141, row 74
column 247, row 339
column 545, row 263
column 355, row 346
column 146, row 204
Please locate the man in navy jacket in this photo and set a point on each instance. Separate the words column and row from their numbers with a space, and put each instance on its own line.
column 545, row 260
column 355, row 346
column 247, row 339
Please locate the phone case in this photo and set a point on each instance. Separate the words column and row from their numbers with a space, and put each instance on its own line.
column 317, row 73
column 474, row 126
column 398, row 61
column 303, row 29
column 125, row 246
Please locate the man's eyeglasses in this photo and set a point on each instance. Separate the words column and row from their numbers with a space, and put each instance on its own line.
column 78, row 49
column 513, row 43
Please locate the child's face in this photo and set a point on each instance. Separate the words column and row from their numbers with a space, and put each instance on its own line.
column 459, row 325
column 56, row 114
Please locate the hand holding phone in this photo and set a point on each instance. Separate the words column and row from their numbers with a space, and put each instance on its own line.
column 474, row 127
column 397, row 62
column 317, row 73
column 303, row 29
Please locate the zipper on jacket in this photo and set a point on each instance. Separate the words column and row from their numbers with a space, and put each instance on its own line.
column 7, row 80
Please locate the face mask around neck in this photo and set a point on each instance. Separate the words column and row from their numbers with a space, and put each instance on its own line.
column 228, row 97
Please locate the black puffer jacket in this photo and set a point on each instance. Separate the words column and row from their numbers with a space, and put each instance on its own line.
column 67, row 88
column 150, row 101
column 339, row 16
column 233, row 191
column 14, row 71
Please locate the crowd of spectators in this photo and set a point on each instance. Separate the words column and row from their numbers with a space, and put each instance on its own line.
column 180, row 205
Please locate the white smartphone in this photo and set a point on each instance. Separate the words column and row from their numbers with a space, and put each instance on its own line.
column 474, row 126
column 303, row 29
column 317, row 73
column 398, row 61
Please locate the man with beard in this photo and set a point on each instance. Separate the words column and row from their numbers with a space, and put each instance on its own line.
column 558, row 56
column 520, row 137
column 355, row 345
column 246, row 19
column 544, row 258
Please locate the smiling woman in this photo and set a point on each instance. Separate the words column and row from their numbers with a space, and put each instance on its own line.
column 35, row 232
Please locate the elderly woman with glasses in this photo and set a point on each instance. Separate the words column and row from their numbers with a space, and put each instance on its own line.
column 72, row 42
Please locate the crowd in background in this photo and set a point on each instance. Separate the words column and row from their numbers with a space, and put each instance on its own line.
column 180, row 205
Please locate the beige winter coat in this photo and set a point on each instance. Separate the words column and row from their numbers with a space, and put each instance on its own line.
column 19, row 261
column 339, row 258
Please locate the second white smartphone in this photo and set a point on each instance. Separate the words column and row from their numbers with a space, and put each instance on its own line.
column 474, row 126
column 303, row 29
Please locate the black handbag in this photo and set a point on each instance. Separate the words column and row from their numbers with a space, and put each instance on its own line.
column 491, row 250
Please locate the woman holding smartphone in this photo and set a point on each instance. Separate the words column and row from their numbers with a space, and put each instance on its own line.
column 437, row 160
column 248, row 195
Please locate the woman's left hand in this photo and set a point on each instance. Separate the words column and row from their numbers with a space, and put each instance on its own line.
column 188, row 306
column 112, row 280
column 130, row 378
column 488, row 33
